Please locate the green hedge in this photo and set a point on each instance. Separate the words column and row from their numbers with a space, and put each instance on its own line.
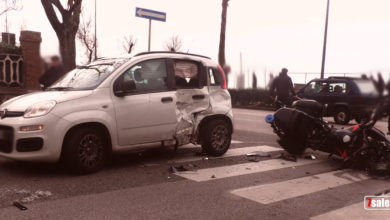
column 250, row 96
column 9, row 49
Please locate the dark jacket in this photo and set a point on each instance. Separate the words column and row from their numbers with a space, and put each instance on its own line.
column 283, row 86
column 51, row 75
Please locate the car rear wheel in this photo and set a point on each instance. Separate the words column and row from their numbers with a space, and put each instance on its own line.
column 341, row 116
column 217, row 136
column 85, row 150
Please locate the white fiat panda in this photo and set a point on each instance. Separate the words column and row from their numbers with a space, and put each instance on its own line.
column 120, row 104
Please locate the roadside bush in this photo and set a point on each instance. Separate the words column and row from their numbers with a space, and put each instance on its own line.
column 250, row 96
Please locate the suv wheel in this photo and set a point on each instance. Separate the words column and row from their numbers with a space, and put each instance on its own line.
column 341, row 116
column 86, row 150
column 216, row 138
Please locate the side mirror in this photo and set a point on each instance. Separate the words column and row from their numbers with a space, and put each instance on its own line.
column 121, row 88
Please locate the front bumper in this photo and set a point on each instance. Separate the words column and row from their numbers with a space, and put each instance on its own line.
column 52, row 137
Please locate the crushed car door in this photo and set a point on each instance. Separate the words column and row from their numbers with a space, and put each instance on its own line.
column 192, row 96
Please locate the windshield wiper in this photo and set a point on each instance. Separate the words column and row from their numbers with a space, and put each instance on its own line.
column 59, row 88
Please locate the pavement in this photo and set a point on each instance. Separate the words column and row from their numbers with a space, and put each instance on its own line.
column 141, row 185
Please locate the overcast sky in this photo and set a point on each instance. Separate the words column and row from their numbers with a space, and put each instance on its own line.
column 270, row 34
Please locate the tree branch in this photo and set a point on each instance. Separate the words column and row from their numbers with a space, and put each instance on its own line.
column 77, row 3
column 51, row 15
column 58, row 4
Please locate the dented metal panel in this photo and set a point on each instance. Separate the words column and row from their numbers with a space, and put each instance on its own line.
column 187, row 111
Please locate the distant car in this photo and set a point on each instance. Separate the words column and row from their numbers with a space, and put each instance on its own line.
column 120, row 104
column 347, row 98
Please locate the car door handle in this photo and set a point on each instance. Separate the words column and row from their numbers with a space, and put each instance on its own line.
column 198, row 97
column 166, row 99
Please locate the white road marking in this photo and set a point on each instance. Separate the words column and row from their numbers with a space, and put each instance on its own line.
column 274, row 192
column 243, row 169
column 355, row 211
column 230, row 153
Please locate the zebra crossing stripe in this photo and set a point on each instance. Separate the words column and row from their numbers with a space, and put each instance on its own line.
column 230, row 153
column 242, row 169
column 275, row 192
column 355, row 211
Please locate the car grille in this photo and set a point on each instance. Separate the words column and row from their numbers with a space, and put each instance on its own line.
column 6, row 139
column 10, row 114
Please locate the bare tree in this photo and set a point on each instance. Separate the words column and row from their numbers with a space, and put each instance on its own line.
column 173, row 44
column 221, row 54
column 87, row 37
column 129, row 43
column 9, row 5
column 65, row 30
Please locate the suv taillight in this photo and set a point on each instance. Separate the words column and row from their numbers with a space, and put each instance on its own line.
column 224, row 86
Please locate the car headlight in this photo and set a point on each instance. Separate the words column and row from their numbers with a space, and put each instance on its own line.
column 39, row 109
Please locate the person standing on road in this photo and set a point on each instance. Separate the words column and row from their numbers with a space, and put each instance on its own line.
column 54, row 73
column 283, row 86
column 271, row 80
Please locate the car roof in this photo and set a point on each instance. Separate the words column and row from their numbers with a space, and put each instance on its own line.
column 338, row 79
column 165, row 54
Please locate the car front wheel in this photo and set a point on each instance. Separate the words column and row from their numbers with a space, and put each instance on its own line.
column 341, row 116
column 85, row 150
column 217, row 136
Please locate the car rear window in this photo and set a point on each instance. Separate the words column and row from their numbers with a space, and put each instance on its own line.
column 186, row 74
column 366, row 87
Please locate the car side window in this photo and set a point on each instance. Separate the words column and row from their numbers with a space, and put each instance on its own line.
column 215, row 77
column 338, row 88
column 316, row 87
column 149, row 76
column 187, row 74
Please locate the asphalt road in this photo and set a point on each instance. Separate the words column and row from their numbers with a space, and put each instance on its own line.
column 141, row 185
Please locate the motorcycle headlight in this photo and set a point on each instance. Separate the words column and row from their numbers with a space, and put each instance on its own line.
column 39, row 109
column 346, row 139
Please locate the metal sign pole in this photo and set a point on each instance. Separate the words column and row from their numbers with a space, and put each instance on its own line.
column 150, row 15
column 150, row 33
column 325, row 39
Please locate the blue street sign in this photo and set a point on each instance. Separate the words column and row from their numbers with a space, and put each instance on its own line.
column 150, row 14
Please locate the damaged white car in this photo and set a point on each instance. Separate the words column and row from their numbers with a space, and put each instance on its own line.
column 120, row 104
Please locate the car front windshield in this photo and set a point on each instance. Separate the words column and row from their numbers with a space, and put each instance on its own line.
column 87, row 77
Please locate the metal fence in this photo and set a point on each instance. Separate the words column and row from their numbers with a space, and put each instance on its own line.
column 11, row 71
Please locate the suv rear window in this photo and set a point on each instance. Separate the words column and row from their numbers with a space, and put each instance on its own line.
column 366, row 87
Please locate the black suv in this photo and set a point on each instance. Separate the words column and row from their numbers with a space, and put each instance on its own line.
column 347, row 98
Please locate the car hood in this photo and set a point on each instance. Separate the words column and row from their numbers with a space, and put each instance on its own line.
column 21, row 103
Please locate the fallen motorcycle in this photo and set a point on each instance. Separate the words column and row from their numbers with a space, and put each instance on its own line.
column 303, row 126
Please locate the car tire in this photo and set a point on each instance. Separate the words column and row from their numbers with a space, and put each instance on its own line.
column 341, row 116
column 217, row 136
column 85, row 150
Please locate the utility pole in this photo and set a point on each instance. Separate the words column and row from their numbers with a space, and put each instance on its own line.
column 325, row 40
column 95, row 41
column 150, row 34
